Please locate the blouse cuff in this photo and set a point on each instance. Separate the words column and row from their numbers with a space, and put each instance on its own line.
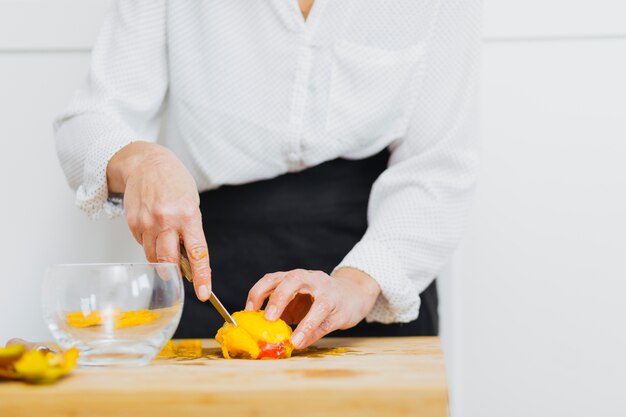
column 399, row 299
column 106, row 136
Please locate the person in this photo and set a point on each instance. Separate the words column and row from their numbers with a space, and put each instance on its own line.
column 317, row 156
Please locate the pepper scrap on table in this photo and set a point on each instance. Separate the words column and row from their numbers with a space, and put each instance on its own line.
column 35, row 366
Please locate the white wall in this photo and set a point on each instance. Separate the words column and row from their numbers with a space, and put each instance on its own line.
column 542, row 272
column 38, row 221
column 540, row 279
column 533, row 318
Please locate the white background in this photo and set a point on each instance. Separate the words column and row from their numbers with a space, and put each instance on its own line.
column 533, row 302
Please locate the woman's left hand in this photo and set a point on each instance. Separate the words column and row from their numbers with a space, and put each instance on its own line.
column 320, row 303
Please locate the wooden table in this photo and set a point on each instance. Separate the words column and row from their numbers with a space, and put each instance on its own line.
column 373, row 377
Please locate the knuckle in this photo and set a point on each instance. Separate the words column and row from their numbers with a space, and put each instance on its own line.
column 268, row 277
column 324, row 307
column 161, row 213
column 308, row 327
column 273, row 277
column 188, row 212
column 293, row 276
column 326, row 326
column 173, row 213
column 198, row 253
column 254, row 293
column 146, row 221
column 280, row 296
column 166, row 259
column 323, row 277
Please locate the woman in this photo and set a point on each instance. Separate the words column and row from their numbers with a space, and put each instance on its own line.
column 333, row 145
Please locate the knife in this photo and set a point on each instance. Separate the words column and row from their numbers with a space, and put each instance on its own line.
column 185, row 268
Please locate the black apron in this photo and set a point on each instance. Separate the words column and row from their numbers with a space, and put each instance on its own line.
column 310, row 220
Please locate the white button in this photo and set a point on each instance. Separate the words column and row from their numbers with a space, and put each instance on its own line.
column 295, row 162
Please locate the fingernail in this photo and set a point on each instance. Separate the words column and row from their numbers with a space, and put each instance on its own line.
column 296, row 339
column 249, row 306
column 203, row 292
column 271, row 313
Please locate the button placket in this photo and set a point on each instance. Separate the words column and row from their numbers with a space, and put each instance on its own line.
column 299, row 100
column 301, row 84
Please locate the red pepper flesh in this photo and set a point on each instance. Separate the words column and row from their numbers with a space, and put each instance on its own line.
column 271, row 350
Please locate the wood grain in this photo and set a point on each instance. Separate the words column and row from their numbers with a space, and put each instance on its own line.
column 374, row 377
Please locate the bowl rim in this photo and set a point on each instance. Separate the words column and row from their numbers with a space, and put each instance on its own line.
column 109, row 264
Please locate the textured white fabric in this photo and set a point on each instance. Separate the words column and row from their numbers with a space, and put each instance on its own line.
column 253, row 91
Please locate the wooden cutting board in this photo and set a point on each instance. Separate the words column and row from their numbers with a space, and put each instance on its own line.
column 373, row 377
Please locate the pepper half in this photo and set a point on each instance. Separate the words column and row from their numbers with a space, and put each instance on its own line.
column 255, row 337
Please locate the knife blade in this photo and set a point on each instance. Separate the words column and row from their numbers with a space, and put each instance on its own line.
column 185, row 268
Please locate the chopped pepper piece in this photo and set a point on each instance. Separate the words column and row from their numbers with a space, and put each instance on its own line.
column 190, row 349
column 121, row 319
column 38, row 367
column 10, row 354
column 168, row 350
column 186, row 349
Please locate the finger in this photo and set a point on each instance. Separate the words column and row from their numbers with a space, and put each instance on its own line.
column 167, row 247
column 294, row 282
column 149, row 246
column 167, row 251
column 316, row 322
column 41, row 346
column 132, row 218
column 198, row 251
column 262, row 289
column 330, row 324
column 133, row 226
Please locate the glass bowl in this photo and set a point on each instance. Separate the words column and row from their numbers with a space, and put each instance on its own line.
column 114, row 314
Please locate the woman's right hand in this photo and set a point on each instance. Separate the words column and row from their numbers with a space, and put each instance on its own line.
column 162, row 207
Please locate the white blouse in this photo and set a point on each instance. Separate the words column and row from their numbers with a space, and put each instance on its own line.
column 253, row 91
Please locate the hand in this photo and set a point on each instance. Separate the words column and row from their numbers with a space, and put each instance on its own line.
column 318, row 302
column 42, row 346
column 162, row 207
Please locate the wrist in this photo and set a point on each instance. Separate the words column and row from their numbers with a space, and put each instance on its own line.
column 361, row 279
column 126, row 160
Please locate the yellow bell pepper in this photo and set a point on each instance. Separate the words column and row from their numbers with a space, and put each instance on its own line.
column 254, row 337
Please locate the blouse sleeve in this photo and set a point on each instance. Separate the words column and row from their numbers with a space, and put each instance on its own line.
column 418, row 204
column 119, row 102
